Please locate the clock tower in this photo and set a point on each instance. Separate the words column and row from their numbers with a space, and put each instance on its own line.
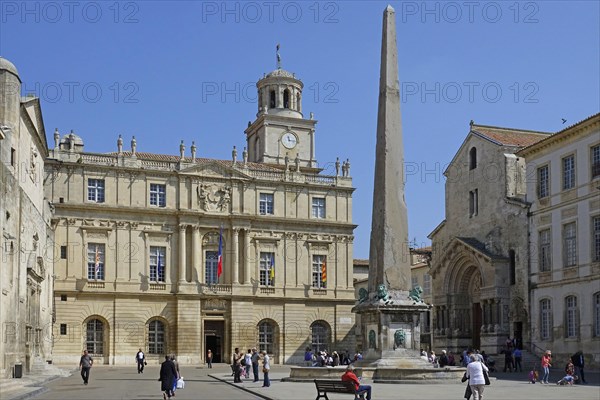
column 280, row 128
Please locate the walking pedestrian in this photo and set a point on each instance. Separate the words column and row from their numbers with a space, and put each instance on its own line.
column 174, row 360
column 209, row 357
column 517, row 354
column 475, row 371
column 167, row 378
column 255, row 358
column 85, row 364
column 236, row 365
column 141, row 361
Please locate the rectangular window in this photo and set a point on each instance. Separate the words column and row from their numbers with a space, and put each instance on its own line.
column 545, row 260
column 157, row 263
column 595, row 161
column 568, row 165
column 596, row 239
column 426, row 285
column 266, row 204
column 13, row 157
column 95, row 258
column 318, row 207
column 571, row 317
column 210, row 273
column 63, row 297
column 158, row 196
column 543, row 175
column 570, row 244
column 96, row 190
column 597, row 315
column 545, row 319
column 63, row 252
column 267, row 269
column 319, row 271
column 63, row 329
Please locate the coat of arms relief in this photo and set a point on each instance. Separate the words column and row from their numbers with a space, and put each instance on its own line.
column 213, row 197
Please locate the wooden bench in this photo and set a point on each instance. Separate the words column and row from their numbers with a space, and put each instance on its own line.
column 331, row 386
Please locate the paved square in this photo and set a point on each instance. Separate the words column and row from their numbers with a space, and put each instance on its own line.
column 108, row 382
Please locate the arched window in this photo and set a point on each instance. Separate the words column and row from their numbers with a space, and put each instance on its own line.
column 597, row 314
column 545, row 319
column 266, row 336
column 286, row 98
column 156, row 337
column 473, row 158
column 94, row 337
column 298, row 103
column 320, row 336
column 572, row 317
column 272, row 99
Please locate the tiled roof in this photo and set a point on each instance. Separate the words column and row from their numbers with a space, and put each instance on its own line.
column 509, row 136
column 199, row 161
column 477, row 245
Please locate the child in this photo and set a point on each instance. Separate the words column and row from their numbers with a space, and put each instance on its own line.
column 566, row 380
column 533, row 375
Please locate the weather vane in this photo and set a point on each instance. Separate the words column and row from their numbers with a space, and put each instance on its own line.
column 278, row 57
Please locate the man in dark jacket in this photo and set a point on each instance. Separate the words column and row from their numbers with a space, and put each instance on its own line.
column 168, row 377
column 579, row 362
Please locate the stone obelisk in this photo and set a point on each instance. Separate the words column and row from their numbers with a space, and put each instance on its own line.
column 390, row 311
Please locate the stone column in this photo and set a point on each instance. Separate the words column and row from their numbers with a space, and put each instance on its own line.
column 195, row 250
column 236, row 267
column 182, row 229
column 246, row 253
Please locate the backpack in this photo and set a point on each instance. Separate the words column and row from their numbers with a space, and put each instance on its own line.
column 243, row 362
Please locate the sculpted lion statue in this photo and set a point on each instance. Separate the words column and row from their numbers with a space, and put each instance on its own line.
column 363, row 294
column 415, row 294
column 399, row 337
column 382, row 293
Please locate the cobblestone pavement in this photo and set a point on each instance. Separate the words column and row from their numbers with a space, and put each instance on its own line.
column 108, row 382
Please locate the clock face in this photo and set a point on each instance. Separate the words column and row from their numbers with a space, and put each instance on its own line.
column 289, row 140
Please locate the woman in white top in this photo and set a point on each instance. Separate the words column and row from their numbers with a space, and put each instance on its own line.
column 475, row 374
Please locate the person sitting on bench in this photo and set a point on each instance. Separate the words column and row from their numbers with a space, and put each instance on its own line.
column 350, row 376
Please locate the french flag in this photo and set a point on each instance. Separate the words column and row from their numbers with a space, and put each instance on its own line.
column 220, row 256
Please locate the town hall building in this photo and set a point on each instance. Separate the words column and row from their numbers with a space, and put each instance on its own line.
column 182, row 254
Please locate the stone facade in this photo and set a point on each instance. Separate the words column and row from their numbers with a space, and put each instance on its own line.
column 480, row 252
column 140, row 233
column 564, row 228
column 26, row 279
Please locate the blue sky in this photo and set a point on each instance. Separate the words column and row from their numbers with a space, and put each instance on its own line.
column 186, row 70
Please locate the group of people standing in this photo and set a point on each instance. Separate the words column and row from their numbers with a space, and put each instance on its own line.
column 242, row 363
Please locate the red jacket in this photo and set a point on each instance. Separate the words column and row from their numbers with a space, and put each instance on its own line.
column 351, row 377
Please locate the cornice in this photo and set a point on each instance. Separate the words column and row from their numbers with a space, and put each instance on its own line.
column 561, row 136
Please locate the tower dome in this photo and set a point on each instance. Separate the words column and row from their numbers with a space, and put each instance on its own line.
column 280, row 93
column 10, row 95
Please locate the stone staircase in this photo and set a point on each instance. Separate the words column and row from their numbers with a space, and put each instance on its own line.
column 31, row 383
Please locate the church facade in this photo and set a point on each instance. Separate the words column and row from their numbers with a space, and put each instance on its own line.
column 479, row 265
column 182, row 254
column 26, row 281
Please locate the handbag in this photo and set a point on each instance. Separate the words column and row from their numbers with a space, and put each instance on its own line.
column 486, row 377
column 464, row 378
column 265, row 370
column 180, row 383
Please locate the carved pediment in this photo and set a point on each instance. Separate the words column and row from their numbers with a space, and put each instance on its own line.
column 214, row 170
